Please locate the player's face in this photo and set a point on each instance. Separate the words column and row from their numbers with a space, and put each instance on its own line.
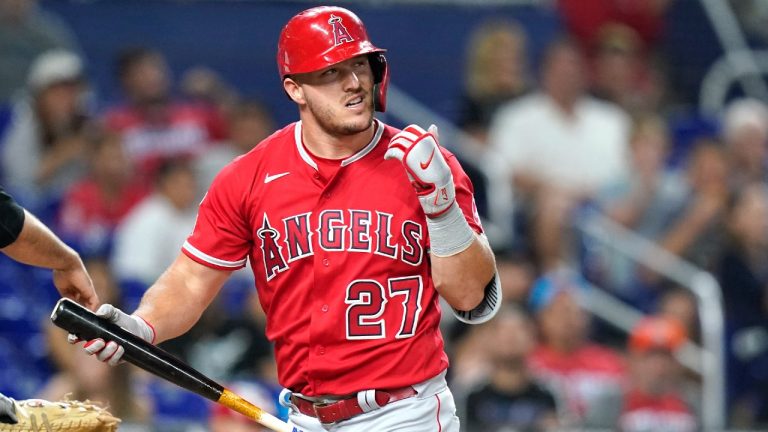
column 340, row 97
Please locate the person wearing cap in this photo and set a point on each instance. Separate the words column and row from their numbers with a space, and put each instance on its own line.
column 43, row 146
column 653, row 401
column 586, row 377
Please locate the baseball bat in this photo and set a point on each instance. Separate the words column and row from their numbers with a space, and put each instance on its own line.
column 86, row 325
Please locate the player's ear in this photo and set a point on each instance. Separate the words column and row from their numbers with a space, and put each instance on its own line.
column 294, row 90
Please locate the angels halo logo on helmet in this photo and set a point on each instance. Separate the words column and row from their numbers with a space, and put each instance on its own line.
column 324, row 36
column 340, row 33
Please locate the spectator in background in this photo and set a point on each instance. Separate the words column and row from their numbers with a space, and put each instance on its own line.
column 653, row 401
column 468, row 344
column 154, row 125
column 149, row 237
column 643, row 199
column 621, row 73
column 26, row 32
column 81, row 379
column 249, row 123
column 621, row 38
column 561, row 145
column 745, row 134
column 237, row 338
column 517, row 274
column 43, row 150
column 696, row 233
column 645, row 17
column 497, row 72
column 679, row 304
column 586, row 378
column 511, row 399
column 202, row 85
column 744, row 281
column 94, row 206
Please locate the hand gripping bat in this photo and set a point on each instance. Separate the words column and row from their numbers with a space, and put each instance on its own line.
column 86, row 325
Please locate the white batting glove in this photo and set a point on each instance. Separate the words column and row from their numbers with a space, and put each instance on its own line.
column 108, row 351
column 430, row 175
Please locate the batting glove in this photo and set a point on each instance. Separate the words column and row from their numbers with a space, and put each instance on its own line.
column 430, row 174
column 109, row 351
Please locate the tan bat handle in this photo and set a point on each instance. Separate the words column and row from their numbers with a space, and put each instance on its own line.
column 237, row 403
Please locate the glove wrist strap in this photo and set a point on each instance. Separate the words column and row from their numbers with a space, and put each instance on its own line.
column 148, row 333
column 449, row 233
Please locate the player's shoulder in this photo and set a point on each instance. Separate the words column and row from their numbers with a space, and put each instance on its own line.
column 389, row 132
column 278, row 141
column 248, row 165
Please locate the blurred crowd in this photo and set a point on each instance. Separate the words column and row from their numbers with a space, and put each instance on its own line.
column 587, row 128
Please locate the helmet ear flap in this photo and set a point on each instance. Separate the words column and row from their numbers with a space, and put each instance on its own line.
column 380, row 71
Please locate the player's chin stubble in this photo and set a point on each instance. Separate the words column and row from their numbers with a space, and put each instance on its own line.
column 330, row 123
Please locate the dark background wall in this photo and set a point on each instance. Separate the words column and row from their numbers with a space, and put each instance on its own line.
column 427, row 43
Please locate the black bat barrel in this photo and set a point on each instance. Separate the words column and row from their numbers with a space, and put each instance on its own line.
column 86, row 325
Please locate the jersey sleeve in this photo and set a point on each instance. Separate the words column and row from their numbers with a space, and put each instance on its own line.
column 11, row 219
column 464, row 192
column 221, row 238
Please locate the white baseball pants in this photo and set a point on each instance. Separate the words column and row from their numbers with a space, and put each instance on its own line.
column 432, row 409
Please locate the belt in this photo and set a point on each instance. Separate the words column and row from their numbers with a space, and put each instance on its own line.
column 329, row 412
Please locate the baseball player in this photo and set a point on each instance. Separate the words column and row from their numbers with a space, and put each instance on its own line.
column 353, row 229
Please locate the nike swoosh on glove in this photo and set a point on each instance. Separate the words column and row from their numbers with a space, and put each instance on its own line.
column 430, row 175
column 109, row 351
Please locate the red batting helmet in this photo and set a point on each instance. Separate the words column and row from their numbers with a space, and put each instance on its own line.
column 323, row 36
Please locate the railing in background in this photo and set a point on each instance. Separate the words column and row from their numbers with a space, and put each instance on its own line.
column 732, row 40
column 700, row 283
column 732, row 67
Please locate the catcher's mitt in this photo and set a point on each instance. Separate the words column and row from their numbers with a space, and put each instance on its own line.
column 37, row 415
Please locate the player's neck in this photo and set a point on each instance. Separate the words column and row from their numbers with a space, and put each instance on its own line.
column 329, row 146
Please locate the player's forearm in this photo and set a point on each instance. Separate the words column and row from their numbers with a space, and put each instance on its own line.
column 38, row 246
column 177, row 300
column 461, row 278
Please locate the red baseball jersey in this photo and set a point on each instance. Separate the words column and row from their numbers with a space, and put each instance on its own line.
column 340, row 259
